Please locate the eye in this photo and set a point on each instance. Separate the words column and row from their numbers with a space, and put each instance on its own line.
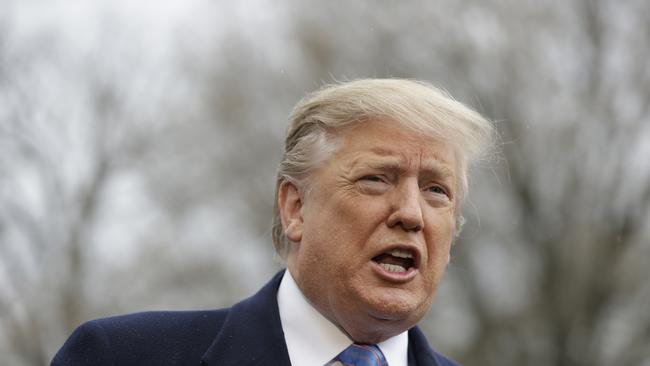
column 373, row 178
column 373, row 184
column 437, row 189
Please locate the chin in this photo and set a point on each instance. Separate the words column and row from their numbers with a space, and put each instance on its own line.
column 397, row 309
column 382, row 323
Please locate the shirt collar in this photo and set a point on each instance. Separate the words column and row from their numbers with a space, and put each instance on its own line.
column 313, row 340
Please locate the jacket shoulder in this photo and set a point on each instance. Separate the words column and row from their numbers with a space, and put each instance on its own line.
column 148, row 338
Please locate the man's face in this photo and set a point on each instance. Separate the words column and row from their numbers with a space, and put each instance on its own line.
column 372, row 231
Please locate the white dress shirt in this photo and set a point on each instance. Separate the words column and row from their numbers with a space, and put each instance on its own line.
column 313, row 340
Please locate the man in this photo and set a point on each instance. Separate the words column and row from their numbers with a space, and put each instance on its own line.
column 368, row 200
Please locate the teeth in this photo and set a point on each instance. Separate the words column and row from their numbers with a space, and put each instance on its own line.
column 392, row 267
column 400, row 253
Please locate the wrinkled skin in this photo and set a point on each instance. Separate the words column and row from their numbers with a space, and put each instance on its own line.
column 385, row 186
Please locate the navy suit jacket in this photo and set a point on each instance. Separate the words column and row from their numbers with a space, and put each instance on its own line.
column 249, row 333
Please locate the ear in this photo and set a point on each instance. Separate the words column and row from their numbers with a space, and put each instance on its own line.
column 290, row 205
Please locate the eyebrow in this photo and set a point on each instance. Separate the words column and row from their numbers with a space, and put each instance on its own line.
column 382, row 151
column 430, row 167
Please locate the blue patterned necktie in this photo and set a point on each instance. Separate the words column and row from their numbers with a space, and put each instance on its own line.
column 362, row 355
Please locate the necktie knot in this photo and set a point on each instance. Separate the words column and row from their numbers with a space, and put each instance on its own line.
column 362, row 355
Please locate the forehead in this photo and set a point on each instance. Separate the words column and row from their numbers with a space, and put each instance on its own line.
column 393, row 145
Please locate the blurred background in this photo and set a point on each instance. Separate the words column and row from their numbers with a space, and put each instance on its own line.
column 139, row 141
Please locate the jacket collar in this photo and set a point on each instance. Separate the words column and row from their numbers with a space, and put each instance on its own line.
column 252, row 332
column 421, row 353
column 252, row 335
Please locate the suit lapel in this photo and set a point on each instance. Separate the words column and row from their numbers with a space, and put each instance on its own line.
column 252, row 335
column 420, row 352
column 252, row 332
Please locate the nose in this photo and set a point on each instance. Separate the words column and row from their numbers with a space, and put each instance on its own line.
column 406, row 209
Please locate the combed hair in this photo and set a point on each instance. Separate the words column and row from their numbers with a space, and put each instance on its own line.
column 320, row 115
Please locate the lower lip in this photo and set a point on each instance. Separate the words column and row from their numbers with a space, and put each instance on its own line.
column 399, row 277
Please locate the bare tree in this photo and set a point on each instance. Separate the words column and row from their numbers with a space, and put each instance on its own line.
column 131, row 175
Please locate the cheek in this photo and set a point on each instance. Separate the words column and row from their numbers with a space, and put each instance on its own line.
column 350, row 218
column 439, row 238
column 439, row 254
column 363, row 213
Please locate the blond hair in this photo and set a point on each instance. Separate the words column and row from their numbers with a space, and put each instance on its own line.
column 412, row 104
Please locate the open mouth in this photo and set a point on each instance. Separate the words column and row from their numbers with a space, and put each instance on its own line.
column 396, row 260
